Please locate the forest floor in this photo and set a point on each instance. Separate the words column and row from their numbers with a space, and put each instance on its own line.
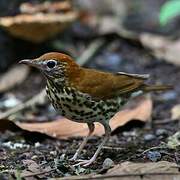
column 38, row 156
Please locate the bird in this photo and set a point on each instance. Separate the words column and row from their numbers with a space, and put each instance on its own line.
column 87, row 95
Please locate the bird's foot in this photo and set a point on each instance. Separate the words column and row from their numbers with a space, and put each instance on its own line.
column 74, row 158
column 85, row 163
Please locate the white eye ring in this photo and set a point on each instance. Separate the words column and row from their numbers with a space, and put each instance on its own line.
column 51, row 64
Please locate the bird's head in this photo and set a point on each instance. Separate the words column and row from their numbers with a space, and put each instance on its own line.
column 54, row 65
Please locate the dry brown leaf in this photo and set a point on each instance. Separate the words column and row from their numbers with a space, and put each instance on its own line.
column 175, row 112
column 33, row 169
column 31, row 165
column 37, row 27
column 161, row 170
column 162, row 47
column 142, row 168
column 14, row 76
column 64, row 128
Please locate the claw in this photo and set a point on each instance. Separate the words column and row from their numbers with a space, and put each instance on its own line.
column 85, row 163
column 74, row 158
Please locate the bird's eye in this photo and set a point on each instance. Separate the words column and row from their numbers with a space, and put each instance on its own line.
column 51, row 64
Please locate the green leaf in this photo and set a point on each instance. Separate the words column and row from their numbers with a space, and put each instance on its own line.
column 168, row 11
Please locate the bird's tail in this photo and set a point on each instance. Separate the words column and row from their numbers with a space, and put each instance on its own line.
column 148, row 88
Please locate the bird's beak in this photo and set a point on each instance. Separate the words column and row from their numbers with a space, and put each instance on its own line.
column 28, row 62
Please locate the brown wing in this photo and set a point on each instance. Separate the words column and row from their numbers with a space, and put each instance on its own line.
column 103, row 85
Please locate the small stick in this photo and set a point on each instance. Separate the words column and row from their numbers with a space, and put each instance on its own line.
column 112, row 148
column 90, row 51
column 36, row 99
column 165, row 121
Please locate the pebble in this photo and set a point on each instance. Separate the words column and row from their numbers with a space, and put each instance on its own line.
column 170, row 95
column 153, row 155
column 9, row 103
column 161, row 132
column 149, row 137
column 108, row 163
column 37, row 144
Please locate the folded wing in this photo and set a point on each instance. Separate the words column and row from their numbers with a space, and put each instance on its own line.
column 101, row 85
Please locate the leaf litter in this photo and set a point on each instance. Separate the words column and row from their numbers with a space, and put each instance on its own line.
column 162, row 170
column 116, row 153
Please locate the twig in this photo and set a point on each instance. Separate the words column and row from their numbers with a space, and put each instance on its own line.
column 166, row 121
column 112, row 148
column 162, row 146
column 36, row 99
column 127, row 34
column 90, row 51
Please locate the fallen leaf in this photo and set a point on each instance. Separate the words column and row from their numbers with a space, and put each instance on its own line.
column 64, row 128
column 143, row 168
column 161, row 170
column 33, row 169
column 31, row 165
column 14, row 76
column 175, row 112
column 162, row 47
column 35, row 27
column 7, row 125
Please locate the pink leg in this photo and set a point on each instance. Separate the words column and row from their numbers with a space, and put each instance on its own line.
column 91, row 129
column 107, row 135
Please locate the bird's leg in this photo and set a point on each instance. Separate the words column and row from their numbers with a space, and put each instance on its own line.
column 106, row 137
column 91, row 129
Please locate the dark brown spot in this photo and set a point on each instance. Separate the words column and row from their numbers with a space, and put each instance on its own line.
column 68, row 99
column 67, row 90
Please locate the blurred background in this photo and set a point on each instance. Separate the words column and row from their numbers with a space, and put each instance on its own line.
column 135, row 36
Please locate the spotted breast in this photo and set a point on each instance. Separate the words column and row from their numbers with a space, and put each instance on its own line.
column 81, row 107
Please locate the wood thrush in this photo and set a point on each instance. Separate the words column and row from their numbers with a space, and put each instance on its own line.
column 87, row 95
